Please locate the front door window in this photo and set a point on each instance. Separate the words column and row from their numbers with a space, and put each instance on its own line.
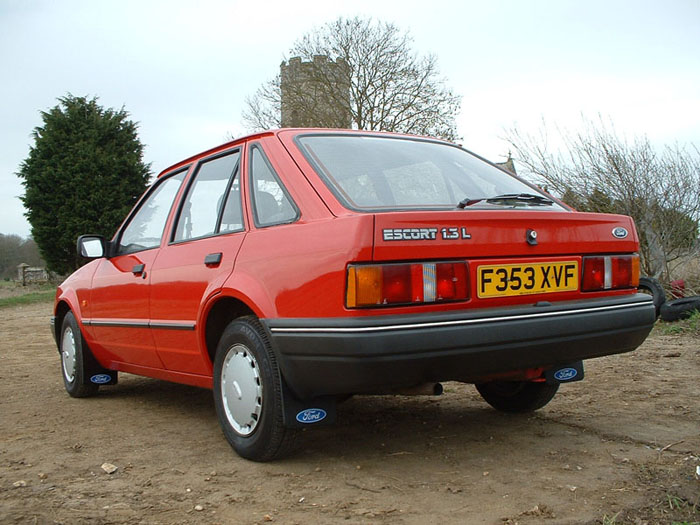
column 145, row 229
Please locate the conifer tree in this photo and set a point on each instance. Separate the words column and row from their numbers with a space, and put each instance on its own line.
column 83, row 174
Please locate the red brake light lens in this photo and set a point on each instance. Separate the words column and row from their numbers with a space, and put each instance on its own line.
column 625, row 272
column 451, row 281
column 397, row 283
column 404, row 284
column 610, row 272
column 593, row 274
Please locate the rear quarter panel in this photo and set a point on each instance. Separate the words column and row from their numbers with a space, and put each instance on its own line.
column 298, row 270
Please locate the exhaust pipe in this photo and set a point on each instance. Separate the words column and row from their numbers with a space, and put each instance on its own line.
column 426, row 389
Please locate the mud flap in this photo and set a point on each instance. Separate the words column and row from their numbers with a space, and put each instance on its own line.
column 94, row 372
column 565, row 373
column 312, row 412
column 104, row 377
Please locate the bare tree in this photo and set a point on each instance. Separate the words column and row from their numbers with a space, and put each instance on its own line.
column 15, row 250
column 391, row 87
column 597, row 170
column 264, row 108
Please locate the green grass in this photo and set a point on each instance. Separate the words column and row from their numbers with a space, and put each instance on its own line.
column 690, row 326
column 610, row 520
column 39, row 296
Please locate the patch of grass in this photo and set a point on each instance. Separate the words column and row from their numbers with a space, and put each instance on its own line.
column 40, row 296
column 674, row 502
column 610, row 520
column 690, row 326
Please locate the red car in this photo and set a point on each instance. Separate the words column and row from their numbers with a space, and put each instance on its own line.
column 289, row 269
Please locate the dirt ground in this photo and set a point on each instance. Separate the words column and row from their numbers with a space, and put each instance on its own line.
column 622, row 446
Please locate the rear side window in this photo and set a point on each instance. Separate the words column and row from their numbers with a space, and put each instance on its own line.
column 213, row 203
column 389, row 173
column 145, row 229
column 271, row 201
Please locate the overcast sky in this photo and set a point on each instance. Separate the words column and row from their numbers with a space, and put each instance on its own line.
column 183, row 69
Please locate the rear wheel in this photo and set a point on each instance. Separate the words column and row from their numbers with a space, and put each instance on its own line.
column 517, row 396
column 76, row 360
column 248, row 392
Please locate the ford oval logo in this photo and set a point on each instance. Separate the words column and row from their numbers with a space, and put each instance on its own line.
column 101, row 379
column 565, row 374
column 619, row 232
column 311, row 415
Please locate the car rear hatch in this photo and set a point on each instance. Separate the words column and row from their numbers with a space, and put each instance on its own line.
column 506, row 256
column 477, row 234
column 450, row 227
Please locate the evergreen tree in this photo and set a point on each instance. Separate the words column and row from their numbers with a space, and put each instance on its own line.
column 83, row 174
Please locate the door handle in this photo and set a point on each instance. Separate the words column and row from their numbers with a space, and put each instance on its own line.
column 138, row 269
column 213, row 259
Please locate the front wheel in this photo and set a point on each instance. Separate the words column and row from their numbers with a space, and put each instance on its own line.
column 76, row 360
column 248, row 392
column 517, row 396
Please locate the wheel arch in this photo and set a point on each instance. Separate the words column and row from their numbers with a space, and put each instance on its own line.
column 60, row 312
column 224, row 310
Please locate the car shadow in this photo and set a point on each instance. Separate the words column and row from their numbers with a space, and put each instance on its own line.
column 366, row 426
column 185, row 399
column 386, row 426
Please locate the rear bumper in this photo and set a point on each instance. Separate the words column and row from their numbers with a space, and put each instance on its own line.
column 362, row 354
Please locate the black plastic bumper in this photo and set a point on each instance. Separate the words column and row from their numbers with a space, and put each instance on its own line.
column 365, row 354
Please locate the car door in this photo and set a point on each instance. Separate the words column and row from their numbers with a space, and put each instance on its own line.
column 198, row 258
column 119, row 298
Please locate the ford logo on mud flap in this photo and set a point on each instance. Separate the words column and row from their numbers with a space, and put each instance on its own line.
column 565, row 374
column 311, row 415
column 101, row 379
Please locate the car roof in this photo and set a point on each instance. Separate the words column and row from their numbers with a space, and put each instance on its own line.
column 278, row 131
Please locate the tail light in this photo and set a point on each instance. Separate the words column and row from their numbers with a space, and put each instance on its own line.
column 404, row 284
column 610, row 272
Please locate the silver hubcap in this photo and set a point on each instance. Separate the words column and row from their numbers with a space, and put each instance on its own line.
column 68, row 354
column 241, row 389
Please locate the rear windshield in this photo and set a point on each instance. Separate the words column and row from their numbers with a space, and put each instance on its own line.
column 387, row 173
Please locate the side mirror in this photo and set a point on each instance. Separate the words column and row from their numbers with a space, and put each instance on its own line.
column 92, row 246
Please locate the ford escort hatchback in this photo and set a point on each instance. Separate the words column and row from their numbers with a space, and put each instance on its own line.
column 290, row 269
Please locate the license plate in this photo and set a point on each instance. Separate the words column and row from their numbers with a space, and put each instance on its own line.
column 503, row 280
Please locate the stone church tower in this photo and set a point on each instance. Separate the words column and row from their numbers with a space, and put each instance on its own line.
column 508, row 165
column 316, row 93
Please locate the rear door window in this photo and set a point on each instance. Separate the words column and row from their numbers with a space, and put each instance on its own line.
column 213, row 201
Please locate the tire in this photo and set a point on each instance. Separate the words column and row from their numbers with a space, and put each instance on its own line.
column 651, row 286
column 76, row 360
column 248, row 393
column 680, row 308
column 517, row 396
